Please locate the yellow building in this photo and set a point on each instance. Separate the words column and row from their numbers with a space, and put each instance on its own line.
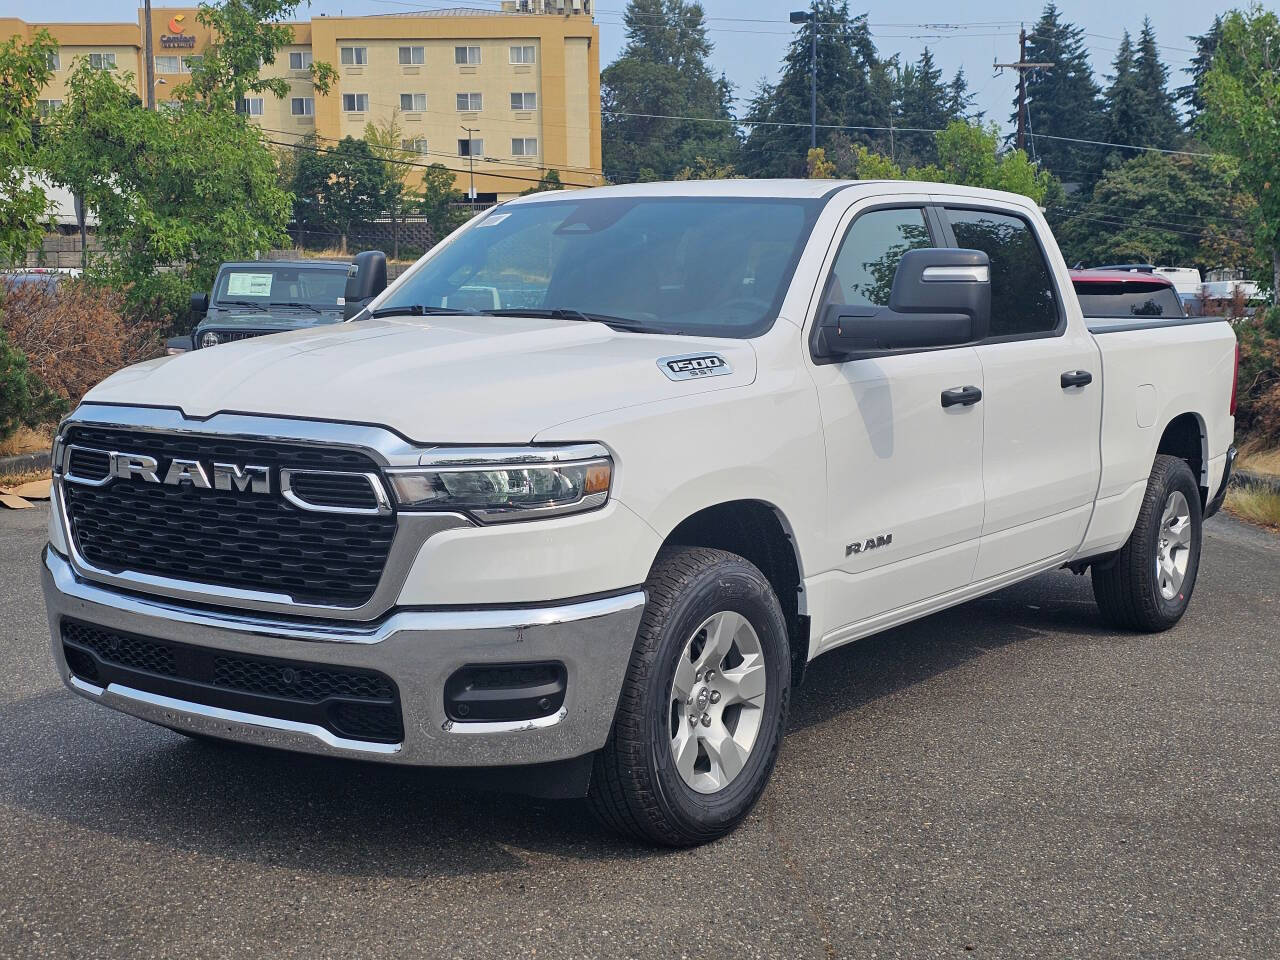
column 507, row 94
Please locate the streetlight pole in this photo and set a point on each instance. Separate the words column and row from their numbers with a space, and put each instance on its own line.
column 471, row 162
column 809, row 17
column 150, row 72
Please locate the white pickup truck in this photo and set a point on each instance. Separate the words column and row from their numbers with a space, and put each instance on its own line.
column 592, row 536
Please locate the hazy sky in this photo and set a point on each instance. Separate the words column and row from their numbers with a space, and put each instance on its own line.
column 751, row 36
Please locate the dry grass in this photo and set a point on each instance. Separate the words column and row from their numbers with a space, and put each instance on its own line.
column 1257, row 458
column 1256, row 505
column 333, row 253
column 27, row 440
column 12, row 480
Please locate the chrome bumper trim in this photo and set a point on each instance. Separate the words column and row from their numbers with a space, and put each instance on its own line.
column 418, row 649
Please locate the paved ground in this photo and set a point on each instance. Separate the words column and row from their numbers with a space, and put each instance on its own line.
column 1008, row 779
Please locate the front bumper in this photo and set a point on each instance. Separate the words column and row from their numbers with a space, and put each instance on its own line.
column 417, row 649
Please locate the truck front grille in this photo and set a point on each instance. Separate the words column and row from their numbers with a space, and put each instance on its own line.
column 351, row 703
column 230, row 538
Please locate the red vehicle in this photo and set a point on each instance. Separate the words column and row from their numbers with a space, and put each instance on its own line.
column 1124, row 294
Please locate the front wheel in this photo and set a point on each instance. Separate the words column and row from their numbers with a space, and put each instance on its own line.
column 702, row 708
column 1148, row 584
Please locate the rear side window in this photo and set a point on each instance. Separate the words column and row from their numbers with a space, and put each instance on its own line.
column 1023, row 302
column 1128, row 300
column 869, row 255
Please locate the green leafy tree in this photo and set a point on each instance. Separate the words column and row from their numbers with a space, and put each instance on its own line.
column 176, row 192
column 663, row 73
column 855, row 89
column 1159, row 208
column 548, row 181
column 250, row 33
column 24, row 70
column 704, row 168
column 385, row 139
column 341, row 187
column 25, row 399
column 1241, row 92
column 1063, row 100
column 441, row 202
column 1206, row 44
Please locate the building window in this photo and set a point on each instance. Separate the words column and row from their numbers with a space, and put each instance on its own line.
column 191, row 62
column 170, row 64
column 471, row 148
column 299, row 59
column 417, row 145
column 413, row 102
column 412, row 56
column 523, row 54
column 524, row 146
column 355, row 102
column 250, row 106
column 102, row 61
column 469, row 56
column 303, row 106
column 353, row 56
column 524, row 101
column 47, row 108
column 53, row 61
column 470, row 102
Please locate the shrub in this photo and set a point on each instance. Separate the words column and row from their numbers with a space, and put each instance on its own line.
column 75, row 334
column 24, row 399
column 1258, row 410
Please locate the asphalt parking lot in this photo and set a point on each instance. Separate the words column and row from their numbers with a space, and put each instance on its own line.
column 1006, row 779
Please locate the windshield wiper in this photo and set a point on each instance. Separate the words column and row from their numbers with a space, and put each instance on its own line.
column 296, row 303
column 569, row 313
column 240, row 303
column 418, row 310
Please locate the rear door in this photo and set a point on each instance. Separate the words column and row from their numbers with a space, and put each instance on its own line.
column 904, row 473
column 1041, row 398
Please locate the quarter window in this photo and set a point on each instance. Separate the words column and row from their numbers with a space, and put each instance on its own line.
column 523, row 54
column 1023, row 301
column 413, row 102
column 354, row 56
column 300, row 60
column 470, row 102
column 869, row 255
column 524, row 101
column 412, row 56
column 468, row 56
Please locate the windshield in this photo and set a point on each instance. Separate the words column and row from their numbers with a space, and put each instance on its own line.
column 711, row 266
column 1128, row 299
column 266, row 283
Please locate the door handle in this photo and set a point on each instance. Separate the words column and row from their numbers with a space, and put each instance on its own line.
column 961, row 396
column 1076, row 378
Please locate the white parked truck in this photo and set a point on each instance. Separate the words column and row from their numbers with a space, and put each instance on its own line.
column 592, row 536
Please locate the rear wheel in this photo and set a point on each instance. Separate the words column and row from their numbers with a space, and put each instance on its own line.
column 703, row 705
column 1148, row 584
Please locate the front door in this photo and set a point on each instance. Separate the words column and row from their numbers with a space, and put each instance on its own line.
column 904, row 473
column 1042, row 401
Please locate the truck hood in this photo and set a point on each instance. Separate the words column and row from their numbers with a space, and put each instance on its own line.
column 469, row 379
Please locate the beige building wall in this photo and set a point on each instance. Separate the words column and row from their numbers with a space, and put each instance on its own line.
column 562, row 126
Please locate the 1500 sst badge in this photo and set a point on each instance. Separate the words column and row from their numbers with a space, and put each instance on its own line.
column 691, row 366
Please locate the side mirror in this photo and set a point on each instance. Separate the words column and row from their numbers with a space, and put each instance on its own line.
column 366, row 278
column 199, row 306
column 940, row 298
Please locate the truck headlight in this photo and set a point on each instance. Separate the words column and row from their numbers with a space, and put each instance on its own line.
column 500, row 492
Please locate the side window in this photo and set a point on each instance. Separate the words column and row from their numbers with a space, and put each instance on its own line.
column 868, row 259
column 1022, row 295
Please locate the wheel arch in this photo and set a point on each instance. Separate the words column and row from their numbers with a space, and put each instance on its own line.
column 759, row 532
column 1186, row 437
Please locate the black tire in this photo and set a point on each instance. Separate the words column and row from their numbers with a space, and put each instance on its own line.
column 636, row 789
column 1127, row 588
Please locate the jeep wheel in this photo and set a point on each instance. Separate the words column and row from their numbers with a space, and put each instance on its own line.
column 1148, row 584
column 702, row 708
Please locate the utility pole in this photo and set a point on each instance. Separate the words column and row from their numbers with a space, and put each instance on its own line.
column 150, row 72
column 471, row 161
column 809, row 17
column 1022, row 66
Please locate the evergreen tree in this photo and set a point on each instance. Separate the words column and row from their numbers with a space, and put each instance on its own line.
column 1206, row 46
column 1123, row 97
column 960, row 100
column 855, row 90
column 663, row 72
column 1062, row 100
column 1159, row 126
column 923, row 104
